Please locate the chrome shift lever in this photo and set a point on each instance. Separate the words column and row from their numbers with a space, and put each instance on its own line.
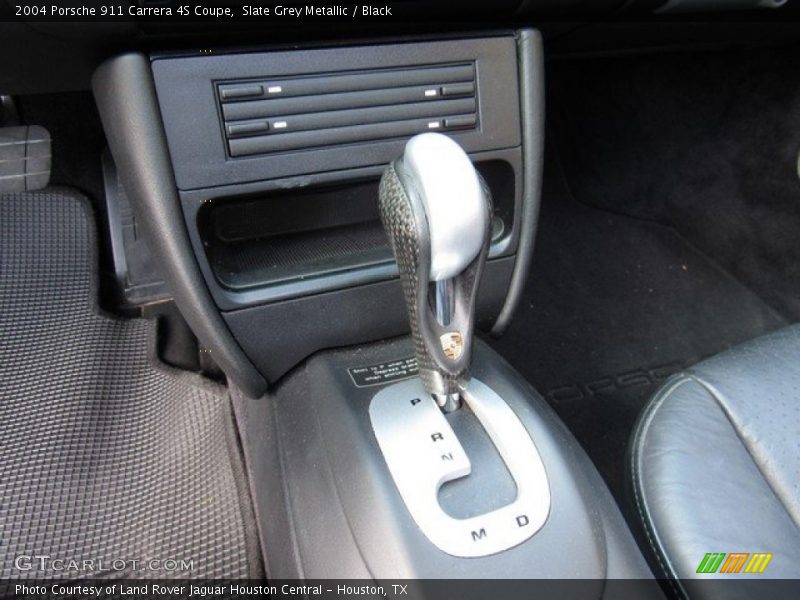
column 436, row 211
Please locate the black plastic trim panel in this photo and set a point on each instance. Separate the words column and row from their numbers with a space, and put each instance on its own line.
column 531, row 76
column 280, row 335
column 126, row 99
column 196, row 136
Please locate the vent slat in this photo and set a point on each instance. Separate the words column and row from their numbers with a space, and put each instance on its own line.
column 328, row 137
column 236, row 111
column 348, row 82
column 294, row 113
column 343, row 118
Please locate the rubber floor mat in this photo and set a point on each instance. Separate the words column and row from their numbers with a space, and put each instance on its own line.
column 106, row 455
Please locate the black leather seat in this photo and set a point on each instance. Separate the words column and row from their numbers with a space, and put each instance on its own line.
column 716, row 461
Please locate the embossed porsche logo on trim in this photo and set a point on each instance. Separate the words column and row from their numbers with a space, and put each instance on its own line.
column 452, row 345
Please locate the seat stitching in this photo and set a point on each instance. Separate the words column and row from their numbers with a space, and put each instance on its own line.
column 649, row 527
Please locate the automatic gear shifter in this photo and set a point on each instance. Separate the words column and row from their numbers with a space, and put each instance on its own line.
column 437, row 213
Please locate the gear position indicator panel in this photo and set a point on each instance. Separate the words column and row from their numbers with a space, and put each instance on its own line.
column 422, row 453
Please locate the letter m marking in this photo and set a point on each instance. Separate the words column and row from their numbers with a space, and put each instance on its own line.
column 477, row 535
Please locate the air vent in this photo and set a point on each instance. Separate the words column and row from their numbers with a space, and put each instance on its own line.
column 296, row 113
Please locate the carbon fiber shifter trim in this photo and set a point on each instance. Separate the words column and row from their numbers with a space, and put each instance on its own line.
column 404, row 219
column 106, row 455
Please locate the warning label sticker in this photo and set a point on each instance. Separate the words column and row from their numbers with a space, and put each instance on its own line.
column 384, row 372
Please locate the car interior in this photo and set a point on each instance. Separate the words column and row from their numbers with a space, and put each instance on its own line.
column 451, row 299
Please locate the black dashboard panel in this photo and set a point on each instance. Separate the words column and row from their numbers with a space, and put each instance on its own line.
column 320, row 125
column 285, row 241
column 194, row 118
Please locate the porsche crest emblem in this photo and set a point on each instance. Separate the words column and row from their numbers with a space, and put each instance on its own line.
column 452, row 344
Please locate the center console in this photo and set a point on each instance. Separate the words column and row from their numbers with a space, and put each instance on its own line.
column 301, row 262
column 338, row 513
column 256, row 174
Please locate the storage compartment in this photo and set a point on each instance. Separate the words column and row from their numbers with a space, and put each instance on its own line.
column 290, row 235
